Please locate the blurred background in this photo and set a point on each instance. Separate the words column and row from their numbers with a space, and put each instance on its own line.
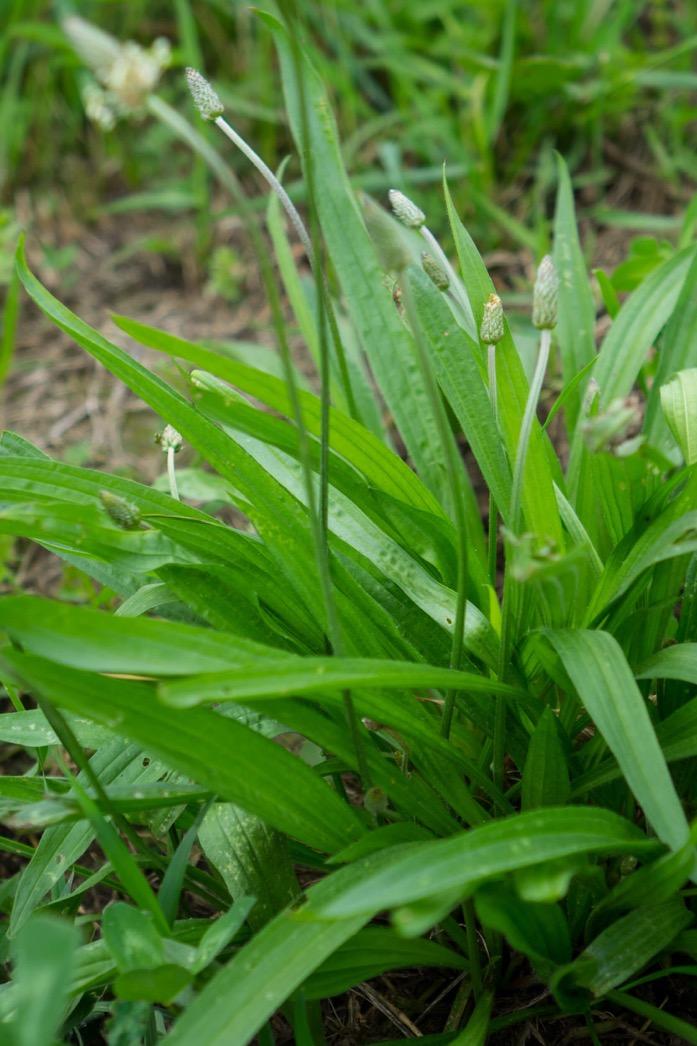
column 122, row 214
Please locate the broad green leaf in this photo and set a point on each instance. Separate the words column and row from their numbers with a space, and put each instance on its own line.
column 675, row 662
column 654, row 883
column 212, row 750
column 44, row 959
column 277, row 517
column 539, row 931
column 245, row 993
column 132, row 938
column 545, row 774
column 679, row 405
column 62, row 527
column 100, row 642
column 619, row 951
column 160, row 984
column 403, row 874
column 650, row 541
column 222, row 929
column 369, row 953
column 539, row 502
column 677, row 736
column 455, row 359
column 475, row 1033
column 251, row 858
column 31, row 729
column 379, row 839
column 576, row 322
column 599, row 671
column 678, row 351
column 638, row 323
column 348, row 438
column 384, row 338
column 285, row 677
column 115, row 763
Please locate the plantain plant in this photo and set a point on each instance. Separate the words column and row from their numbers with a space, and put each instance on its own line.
column 359, row 701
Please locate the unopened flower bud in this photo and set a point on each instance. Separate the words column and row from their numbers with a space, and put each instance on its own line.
column 375, row 802
column 169, row 439
column 492, row 330
column 545, row 295
column 405, row 210
column 206, row 99
column 124, row 513
column 438, row 276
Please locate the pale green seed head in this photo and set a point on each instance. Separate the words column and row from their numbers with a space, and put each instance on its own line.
column 435, row 273
column 545, row 295
column 492, row 329
column 206, row 99
column 405, row 210
column 124, row 513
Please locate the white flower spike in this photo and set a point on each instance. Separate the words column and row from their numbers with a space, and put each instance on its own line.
column 206, row 99
column 406, row 210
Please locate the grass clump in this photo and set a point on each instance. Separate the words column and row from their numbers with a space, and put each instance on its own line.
column 485, row 738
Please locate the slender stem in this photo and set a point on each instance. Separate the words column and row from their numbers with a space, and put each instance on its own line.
column 526, row 426
column 266, row 172
column 227, row 178
column 172, row 474
column 456, row 288
column 454, row 466
column 313, row 247
column 306, row 240
column 515, row 513
column 473, row 948
column 70, row 743
column 493, row 515
column 499, row 737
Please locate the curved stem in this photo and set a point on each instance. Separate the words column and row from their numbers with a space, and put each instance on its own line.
column 172, row 474
column 526, row 425
column 456, row 288
column 493, row 515
column 306, row 240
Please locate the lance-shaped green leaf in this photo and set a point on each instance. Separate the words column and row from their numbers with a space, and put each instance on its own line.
column 539, row 500
column 294, row 675
column 675, row 662
column 417, row 870
column 679, row 405
column 245, row 993
column 599, row 671
column 44, row 960
column 373, row 951
column 678, row 351
column 362, row 448
column 575, row 326
column 251, row 859
column 215, row 751
column 101, row 642
column 277, row 516
column 114, row 763
column 385, row 339
column 638, row 323
column 454, row 356
column 619, row 951
column 546, row 774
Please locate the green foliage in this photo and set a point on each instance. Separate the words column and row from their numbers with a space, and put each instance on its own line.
column 323, row 666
